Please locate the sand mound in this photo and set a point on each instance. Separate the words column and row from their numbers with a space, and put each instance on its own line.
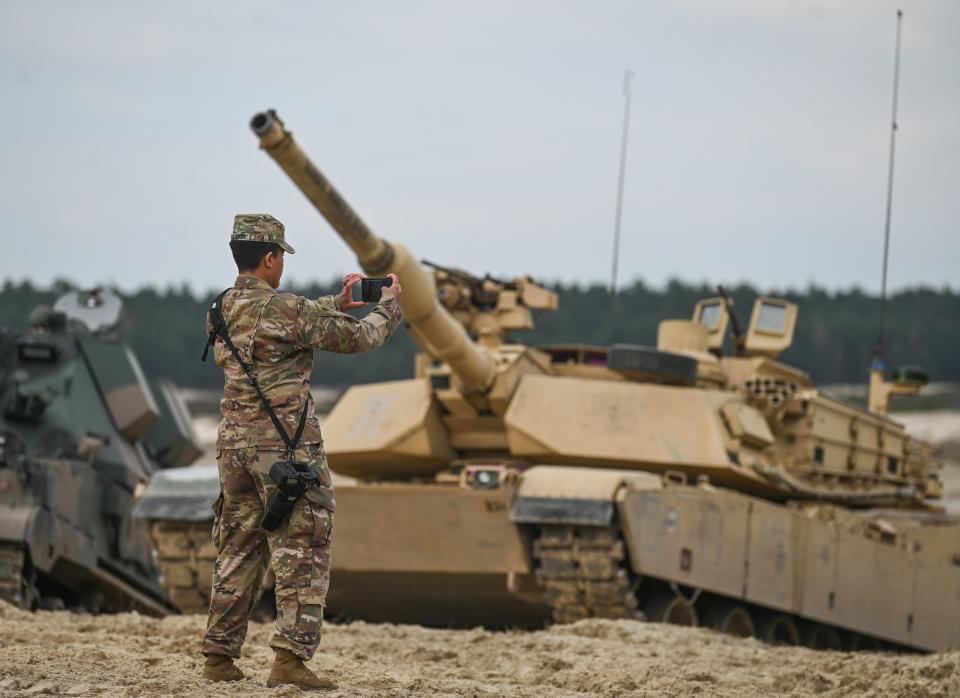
column 64, row 654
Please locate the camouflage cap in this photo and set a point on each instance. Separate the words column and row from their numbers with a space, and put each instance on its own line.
column 259, row 227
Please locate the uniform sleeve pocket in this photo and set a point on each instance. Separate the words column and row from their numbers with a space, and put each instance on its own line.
column 322, row 497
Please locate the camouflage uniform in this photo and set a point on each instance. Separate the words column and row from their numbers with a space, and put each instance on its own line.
column 276, row 334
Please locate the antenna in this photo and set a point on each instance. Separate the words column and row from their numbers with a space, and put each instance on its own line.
column 739, row 338
column 627, row 94
column 878, row 351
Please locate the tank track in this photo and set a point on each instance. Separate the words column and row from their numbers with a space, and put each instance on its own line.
column 184, row 554
column 14, row 587
column 584, row 573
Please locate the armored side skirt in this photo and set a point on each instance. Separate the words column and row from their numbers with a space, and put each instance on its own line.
column 886, row 576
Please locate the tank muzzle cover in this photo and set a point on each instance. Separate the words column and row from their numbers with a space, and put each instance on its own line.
column 262, row 121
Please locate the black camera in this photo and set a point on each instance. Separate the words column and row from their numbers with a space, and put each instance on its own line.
column 292, row 480
column 370, row 288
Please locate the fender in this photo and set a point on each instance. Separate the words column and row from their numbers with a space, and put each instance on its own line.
column 551, row 494
column 180, row 494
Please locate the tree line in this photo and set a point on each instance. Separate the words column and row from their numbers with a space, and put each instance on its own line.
column 834, row 338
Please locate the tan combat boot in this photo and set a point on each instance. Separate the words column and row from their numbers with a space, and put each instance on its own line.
column 288, row 668
column 220, row 668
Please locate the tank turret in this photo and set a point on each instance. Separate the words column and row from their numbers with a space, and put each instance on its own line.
column 763, row 426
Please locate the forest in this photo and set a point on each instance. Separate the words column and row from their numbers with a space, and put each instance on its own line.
column 834, row 341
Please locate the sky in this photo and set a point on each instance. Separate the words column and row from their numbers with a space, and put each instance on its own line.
column 485, row 135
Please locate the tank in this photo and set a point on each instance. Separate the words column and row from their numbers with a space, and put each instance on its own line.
column 81, row 432
column 701, row 481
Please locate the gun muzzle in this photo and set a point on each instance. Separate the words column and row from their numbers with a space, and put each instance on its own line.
column 375, row 255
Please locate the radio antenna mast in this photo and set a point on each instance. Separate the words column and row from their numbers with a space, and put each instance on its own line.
column 628, row 95
column 878, row 352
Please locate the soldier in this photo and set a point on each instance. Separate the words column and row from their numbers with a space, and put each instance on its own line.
column 275, row 335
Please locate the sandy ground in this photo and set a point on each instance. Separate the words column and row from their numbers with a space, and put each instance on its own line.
column 58, row 653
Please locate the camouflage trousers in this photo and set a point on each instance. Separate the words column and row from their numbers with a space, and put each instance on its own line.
column 298, row 550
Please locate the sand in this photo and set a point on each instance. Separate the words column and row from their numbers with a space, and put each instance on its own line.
column 59, row 653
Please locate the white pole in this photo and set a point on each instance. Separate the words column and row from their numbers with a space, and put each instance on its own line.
column 878, row 353
column 627, row 94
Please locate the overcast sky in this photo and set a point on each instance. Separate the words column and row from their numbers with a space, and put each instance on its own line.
column 484, row 135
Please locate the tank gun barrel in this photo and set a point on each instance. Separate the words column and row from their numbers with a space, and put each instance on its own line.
column 439, row 334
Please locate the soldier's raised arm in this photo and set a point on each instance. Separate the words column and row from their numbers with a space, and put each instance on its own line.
column 318, row 327
column 328, row 303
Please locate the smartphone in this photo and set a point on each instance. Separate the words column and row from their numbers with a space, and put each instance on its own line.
column 370, row 288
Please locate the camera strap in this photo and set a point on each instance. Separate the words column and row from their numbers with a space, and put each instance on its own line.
column 218, row 328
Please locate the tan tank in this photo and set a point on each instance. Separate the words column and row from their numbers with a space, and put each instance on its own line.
column 508, row 485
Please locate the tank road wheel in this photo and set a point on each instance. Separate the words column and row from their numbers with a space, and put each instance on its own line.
column 184, row 555
column 52, row 603
column 822, row 637
column 92, row 601
column 778, row 629
column 17, row 583
column 863, row 643
column 668, row 608
column 730, row 619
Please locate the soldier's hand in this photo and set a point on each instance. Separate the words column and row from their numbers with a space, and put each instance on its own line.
column 345, row 297
column 393, row 290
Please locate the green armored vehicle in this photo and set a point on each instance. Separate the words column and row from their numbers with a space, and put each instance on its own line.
column 81, row 432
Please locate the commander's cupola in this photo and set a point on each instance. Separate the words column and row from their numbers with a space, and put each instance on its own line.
column 770, row 332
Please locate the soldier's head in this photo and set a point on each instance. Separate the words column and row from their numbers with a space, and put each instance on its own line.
column 258, row 246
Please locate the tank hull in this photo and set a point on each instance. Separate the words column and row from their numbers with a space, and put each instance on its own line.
column 821, row 565
column 402, row 553
column 634, row 545
column 59, row 556
column 859, row 574
column 436, row 555
column 447, row 555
